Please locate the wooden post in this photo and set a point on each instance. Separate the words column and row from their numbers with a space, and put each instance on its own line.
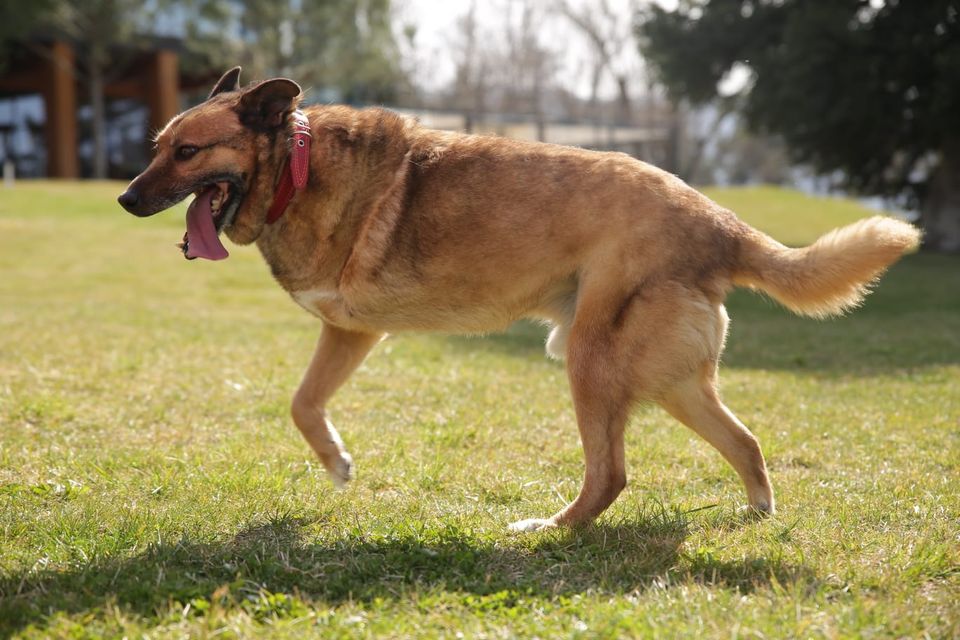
column 163, row 88
column 60, row 102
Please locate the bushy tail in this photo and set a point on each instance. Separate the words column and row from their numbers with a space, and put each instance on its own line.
column 833, row 274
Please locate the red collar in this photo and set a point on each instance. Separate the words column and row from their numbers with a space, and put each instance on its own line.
column 297, row 169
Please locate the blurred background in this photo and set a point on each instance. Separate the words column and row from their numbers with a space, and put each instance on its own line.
column 853, row 97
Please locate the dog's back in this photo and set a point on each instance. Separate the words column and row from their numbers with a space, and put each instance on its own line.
column 464, row 209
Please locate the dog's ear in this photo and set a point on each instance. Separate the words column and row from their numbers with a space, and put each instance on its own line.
column 230, row 81
column 266, row 105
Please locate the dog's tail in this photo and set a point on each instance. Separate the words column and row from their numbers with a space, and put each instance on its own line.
column 830, row 276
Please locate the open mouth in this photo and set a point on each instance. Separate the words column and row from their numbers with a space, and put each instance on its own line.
column 211, row 211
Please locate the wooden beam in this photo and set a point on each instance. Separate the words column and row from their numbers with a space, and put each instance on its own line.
column 60, row 103
column 29, row 78
column 124, row 88
column 162, row 88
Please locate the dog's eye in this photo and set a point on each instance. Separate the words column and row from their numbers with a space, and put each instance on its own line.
column 187, row 151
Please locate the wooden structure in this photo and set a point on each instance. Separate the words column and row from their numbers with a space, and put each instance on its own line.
column 48, row 69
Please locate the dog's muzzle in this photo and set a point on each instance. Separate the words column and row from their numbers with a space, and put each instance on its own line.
column 129, row 200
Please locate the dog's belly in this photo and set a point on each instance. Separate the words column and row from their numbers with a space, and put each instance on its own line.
column 420, row 311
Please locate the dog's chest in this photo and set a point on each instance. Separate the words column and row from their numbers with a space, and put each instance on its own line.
column 326, row 304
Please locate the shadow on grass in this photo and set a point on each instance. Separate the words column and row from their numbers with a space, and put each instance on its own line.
column 911, row 321
column 447, row 565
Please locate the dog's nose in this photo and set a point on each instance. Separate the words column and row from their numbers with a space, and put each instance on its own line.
column 129, row 199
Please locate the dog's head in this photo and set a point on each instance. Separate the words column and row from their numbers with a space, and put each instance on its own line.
column 216, row 150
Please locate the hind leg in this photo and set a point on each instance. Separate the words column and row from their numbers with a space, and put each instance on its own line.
column 605, row 346
column 647, row 343
column 695, row 403
column 602, row 407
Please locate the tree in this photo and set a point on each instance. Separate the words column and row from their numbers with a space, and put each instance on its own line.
column 603, row 28
column 101, row 25
column 860, row 87
column 528, row 65
column 21, row 18
column 741, row 157
column 506, row 67
column 350, row 45
column 344, row 46
column 473, row 68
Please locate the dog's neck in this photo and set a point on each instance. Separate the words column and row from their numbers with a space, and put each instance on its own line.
column 296, row 171
column 349, row 152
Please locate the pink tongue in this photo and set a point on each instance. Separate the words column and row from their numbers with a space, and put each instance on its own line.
column 202, row 239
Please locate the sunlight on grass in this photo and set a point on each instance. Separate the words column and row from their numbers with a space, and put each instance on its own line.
column 151, row 481
column 791, row 217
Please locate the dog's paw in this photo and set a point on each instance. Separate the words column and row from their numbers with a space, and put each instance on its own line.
column 532, row 524
column 341, row 470
column 757, row 511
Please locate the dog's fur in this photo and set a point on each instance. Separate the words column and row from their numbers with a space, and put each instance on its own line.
column 402, row 227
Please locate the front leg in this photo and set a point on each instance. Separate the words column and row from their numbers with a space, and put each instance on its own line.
column 339, row 352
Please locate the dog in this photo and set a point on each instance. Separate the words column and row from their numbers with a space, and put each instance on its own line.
column 375, row 224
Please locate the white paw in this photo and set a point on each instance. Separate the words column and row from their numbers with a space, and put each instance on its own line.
column 341, row 470
column 760, row 510
column 532, row 524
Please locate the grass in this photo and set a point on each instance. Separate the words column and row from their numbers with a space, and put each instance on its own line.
column 152, row 484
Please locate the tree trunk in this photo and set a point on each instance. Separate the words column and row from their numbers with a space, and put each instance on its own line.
column 595, row 102
column 674, row 135
column 99, row 117
column 940, row 210
column 626, row 106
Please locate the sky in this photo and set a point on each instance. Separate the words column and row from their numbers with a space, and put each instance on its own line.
column 435, row 20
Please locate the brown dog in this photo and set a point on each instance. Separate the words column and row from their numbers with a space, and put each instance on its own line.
column 401, row 227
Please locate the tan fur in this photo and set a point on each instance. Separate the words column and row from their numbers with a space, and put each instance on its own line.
column 833, row 274
column 404, row 228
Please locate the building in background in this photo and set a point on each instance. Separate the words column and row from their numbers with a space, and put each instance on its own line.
column 45, row 121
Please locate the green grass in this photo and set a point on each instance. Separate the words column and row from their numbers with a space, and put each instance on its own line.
column 789, row 216
column 151, row 482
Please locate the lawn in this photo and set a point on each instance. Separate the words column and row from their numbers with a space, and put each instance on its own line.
column 152, row 483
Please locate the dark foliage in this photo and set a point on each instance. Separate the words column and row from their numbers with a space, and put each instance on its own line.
column 869, row 91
